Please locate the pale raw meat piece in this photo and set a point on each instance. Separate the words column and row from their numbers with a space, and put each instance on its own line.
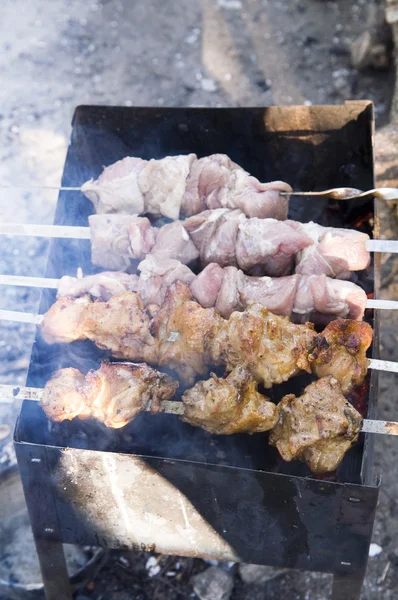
column 321, row 299
column 163, row 183
column 276, row 294
column 228, row 299
column 102, row 285
column 216, row 181
column 117, row 190
column 156, row 275
column 142, row 236
column 174, row 242
column 270, row 243
column 335, row 251
column 110, row 241
column 214, row 233
column 206, row 286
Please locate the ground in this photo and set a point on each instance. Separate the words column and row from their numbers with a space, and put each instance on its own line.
column 56, row 55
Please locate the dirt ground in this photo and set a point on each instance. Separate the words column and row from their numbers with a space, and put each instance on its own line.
column 56, row 55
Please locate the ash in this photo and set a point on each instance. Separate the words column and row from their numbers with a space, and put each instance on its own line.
column 56, row 55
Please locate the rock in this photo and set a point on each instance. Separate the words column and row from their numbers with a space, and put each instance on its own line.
column 213, row 584
column 373, row 49
column 259, row 574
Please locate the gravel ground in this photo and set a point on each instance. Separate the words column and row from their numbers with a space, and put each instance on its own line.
column 56, row 55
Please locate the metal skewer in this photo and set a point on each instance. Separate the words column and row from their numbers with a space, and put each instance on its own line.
column 48, row 283
column 10, row 392
column 84, row 233
column 39, row 187
column 340, row 193
column 347, row 193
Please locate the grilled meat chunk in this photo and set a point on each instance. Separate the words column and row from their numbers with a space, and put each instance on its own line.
column 121, row 325
column 340, row 350
column 318, row 427
column 114, row 394
column 63, row 396
column 230, row 405
column 184, row 332
column 273, row 348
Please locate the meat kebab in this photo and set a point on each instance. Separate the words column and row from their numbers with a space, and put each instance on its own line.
column 188, row 338
column 303, row 298
column 229, row 238
column 317, row 428
column 184, row 185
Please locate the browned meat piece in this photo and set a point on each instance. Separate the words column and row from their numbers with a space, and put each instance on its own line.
column 121, row 325
column 318, row 427
column 340, row 350
column 184, row 331
column 230, row 405
column 63, row 397
column 114, row 394
column 63, row 322
column 273, row 348
column 117, row 393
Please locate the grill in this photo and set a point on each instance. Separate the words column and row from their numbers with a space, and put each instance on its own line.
column 160, row 484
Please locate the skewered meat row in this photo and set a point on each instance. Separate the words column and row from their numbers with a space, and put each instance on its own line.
column 257, row 246
column 184, row 185
column 317, row 428
column 184, row 336
column 303, row 298
column 114, row 394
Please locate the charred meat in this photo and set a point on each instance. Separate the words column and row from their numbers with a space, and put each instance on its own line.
column 341, row 348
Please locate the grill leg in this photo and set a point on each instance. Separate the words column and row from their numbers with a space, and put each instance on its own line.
column 53, row 570
column 348, row 586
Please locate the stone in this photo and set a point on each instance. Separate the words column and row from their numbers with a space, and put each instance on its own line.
column 213, row 584
column 259, row 574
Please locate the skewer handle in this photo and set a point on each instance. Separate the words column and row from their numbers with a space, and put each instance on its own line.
column 10, row 392
column 35, row 282
column 6, row 186
column 384, row 427
column 382, row 246
column 20, row 317
column 47, row 231
column 347, row 193
column 383, row 365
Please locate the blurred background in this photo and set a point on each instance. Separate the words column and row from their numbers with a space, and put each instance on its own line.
column 214, row 53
